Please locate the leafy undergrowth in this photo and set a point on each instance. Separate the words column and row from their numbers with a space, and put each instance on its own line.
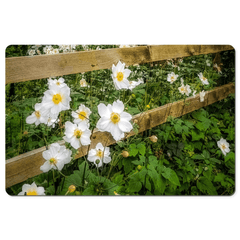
column 155, row 91
column 185, row 160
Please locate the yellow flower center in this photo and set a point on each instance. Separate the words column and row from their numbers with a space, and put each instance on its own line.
column 29, row 193
column 82, row 115
column 172, row 78
column 115, row 117
column 37, row 113
column 57, row 98
column 99, row 153
column 120, row 76
column 203, row 78
column 223, row 146
column 53, row 161
column 58, row 83
column 77, row 133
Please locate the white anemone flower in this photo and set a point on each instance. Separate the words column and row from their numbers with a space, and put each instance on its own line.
column 37, row 117
column 59, row 82
column 224, row 146
column 99, row 153
column 124, row 46
column 56, row 157
column 187, row 90
column 77, row 134
column 120, row 75
column 182, row 89
column 114, row 119
column 55, row 51
column 202, row 95
column 133, row 84
column 56, row 99
column 32, row 190
column 172, row 77
column 203, row 79
column 82, row 114
column 83, row 83
column 52, row 121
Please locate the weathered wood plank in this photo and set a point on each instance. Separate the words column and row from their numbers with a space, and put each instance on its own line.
column 21, row 69
column 163, row 52
column 24, row 166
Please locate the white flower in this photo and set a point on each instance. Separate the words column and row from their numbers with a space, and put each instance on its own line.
column 55, row 51
column 187, row 90
column 224, row 146
column 99, row 153
column 114, row 119
column 32, row 190
column 83, row 83
column 59, row 82
column 56, row 99
column 56, row 157
column 37, row 117
column 124, row 46
column 208, row 63
column 172, row 77
column 202, row 95
column 52, row 121
column 203, row 79
column 82, row 114
column 31, row 52
column 182, row 89
column 120, row 76
column 193, row 62
column 133, row 84
column 77, row 135
column 194, row 93
column 182, row 81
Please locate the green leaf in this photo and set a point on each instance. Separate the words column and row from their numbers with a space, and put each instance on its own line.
column 139, row 162
column 171, row 176
column 134, row 186
column 206, row 186
column 133, row 151
column 50, row 190
column 157, row 179
column 89, row 191
column 141, row 148
column 229, row 156
column 197, row 135
column 153, row 160
column 178, row 128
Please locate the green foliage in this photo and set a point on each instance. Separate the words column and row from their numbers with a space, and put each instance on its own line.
column 184, row 161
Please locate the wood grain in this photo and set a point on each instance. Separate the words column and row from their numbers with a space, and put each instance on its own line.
column 24, row 166
column 21, row 69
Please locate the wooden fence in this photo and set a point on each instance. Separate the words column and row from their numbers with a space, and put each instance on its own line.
column 20, row 69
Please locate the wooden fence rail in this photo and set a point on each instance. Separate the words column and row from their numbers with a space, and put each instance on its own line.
column 21, row 69
column 24, row 166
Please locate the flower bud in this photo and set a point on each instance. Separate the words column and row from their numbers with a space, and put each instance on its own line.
column 71, row 188
column 25, row 133
column 139, row 167
column 206, row 168
column 125, row 154
column 153, row 138
column 133, row 95
column 135, row 121
column 97, row 161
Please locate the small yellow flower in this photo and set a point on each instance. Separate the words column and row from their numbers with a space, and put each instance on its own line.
column 148, row 106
